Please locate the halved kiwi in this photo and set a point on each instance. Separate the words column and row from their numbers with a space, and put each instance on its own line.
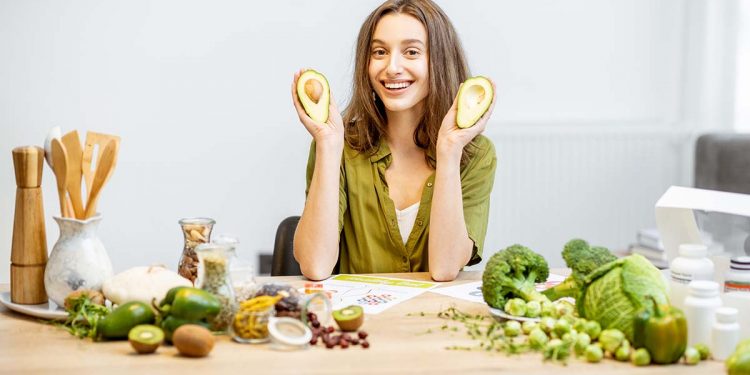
column 349, row 318
column 145, row 338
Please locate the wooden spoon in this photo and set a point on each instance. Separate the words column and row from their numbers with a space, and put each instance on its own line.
column 74, row 152
column 93, row 140
column 104, row 168
column 60, row 162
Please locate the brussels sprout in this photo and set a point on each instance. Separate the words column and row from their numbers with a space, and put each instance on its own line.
column 692, row 356
column 611, row 339
column 547, row 324
column 561, row 327
column 641, row 357
column 548, row 309
column 556, row 349
column 594, row 354
column 623, row 352
column 703, row 350
column 582, row 342
column 563, row 308
column 528, row 326
column 515, row 307
column 592, row 328
column 538, row 339
column 512, row 328
column 533, row 309
column 579, row 324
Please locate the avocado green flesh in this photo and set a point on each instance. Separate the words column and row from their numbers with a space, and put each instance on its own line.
column 474, row 99
column 314, row 95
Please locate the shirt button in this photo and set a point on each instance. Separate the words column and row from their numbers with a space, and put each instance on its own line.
column 419, row 222
column 429, row 184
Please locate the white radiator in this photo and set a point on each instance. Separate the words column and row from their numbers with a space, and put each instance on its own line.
column 599, row 183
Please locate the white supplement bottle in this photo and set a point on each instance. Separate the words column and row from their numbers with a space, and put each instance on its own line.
column 700, row 309
column 725, row 333
column 691, row 264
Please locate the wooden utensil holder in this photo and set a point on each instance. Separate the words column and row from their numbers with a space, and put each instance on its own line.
column 29, row 248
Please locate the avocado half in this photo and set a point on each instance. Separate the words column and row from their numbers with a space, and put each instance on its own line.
column 314, row 95
column 474, row 99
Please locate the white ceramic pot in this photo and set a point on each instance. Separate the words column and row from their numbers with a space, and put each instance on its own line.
column 78, row 259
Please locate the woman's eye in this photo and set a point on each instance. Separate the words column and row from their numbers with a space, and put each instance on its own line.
column 378, row 52
column 412, row 52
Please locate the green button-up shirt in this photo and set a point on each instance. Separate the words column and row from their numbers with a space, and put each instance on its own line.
column 370, row 239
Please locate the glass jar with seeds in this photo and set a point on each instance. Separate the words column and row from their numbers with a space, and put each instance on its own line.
column 213, row 276
column 196, row 231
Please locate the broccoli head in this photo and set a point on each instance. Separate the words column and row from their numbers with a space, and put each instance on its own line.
column 512, row 273
column 582, row 260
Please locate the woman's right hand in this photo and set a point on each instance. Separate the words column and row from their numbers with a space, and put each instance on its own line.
column 328, row 134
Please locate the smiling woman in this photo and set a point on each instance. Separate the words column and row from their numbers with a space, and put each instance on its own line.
column 395, row 185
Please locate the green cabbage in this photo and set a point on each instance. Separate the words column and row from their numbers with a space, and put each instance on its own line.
column 614, row 293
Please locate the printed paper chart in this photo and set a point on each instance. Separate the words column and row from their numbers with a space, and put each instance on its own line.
column 374, row 294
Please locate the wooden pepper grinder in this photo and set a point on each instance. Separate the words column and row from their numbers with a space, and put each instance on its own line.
column 28, row 255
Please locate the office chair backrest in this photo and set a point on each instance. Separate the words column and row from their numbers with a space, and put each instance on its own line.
column 284, row 263
column 722, row 162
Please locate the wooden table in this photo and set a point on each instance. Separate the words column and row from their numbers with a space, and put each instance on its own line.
column 399, row 345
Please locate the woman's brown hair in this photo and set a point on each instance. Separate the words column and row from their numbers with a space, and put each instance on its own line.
column 365, row 118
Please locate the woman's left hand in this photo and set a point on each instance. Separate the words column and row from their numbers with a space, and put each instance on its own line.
column 451, row 138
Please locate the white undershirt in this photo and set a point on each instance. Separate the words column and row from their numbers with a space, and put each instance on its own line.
column 406, row 218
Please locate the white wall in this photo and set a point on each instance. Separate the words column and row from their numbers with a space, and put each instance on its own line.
column 199, row 93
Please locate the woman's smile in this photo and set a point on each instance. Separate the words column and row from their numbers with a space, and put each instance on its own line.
column 395, row 88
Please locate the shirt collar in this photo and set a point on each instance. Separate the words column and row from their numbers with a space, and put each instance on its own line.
column 384, row 150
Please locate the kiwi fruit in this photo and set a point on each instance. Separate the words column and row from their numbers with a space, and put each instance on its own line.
column 192, row 340
column 145, row 338
column 349, row 318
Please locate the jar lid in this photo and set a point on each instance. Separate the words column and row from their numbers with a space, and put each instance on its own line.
column 289, row 331
column 740, row 263
column 197, row 221
column 726, row 315
column 704, row 288
column 693, row 250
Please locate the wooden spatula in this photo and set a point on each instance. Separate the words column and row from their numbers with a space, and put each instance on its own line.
column 94, row 139
column 105, row 166
column 74, row 152
column 60, row 162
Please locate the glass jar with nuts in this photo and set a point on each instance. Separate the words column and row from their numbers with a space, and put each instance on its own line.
column 196, row 231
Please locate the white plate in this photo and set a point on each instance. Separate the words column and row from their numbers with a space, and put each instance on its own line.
column 48, row 310
column 501, row 315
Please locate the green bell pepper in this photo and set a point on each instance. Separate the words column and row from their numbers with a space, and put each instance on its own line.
column 118, row 323
column 186, row 305
column 190, row 304
column 663, row 332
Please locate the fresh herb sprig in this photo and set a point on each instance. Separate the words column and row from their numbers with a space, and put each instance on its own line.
column 83, row 317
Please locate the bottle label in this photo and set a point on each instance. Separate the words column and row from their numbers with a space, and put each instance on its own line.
column 681, row 277
column 736, row 286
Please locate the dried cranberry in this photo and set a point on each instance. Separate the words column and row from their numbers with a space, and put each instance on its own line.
column 329, row 345
column 344, row 344
column 365, row 344
column 330, row 329
column 314, row 340
column 362, row 334
column 315, row 323
column 354, row 341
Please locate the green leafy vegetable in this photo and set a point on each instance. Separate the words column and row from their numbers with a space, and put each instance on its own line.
column 615, row 293
column 83, row 316
column 511, row 273
column 582, row 260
